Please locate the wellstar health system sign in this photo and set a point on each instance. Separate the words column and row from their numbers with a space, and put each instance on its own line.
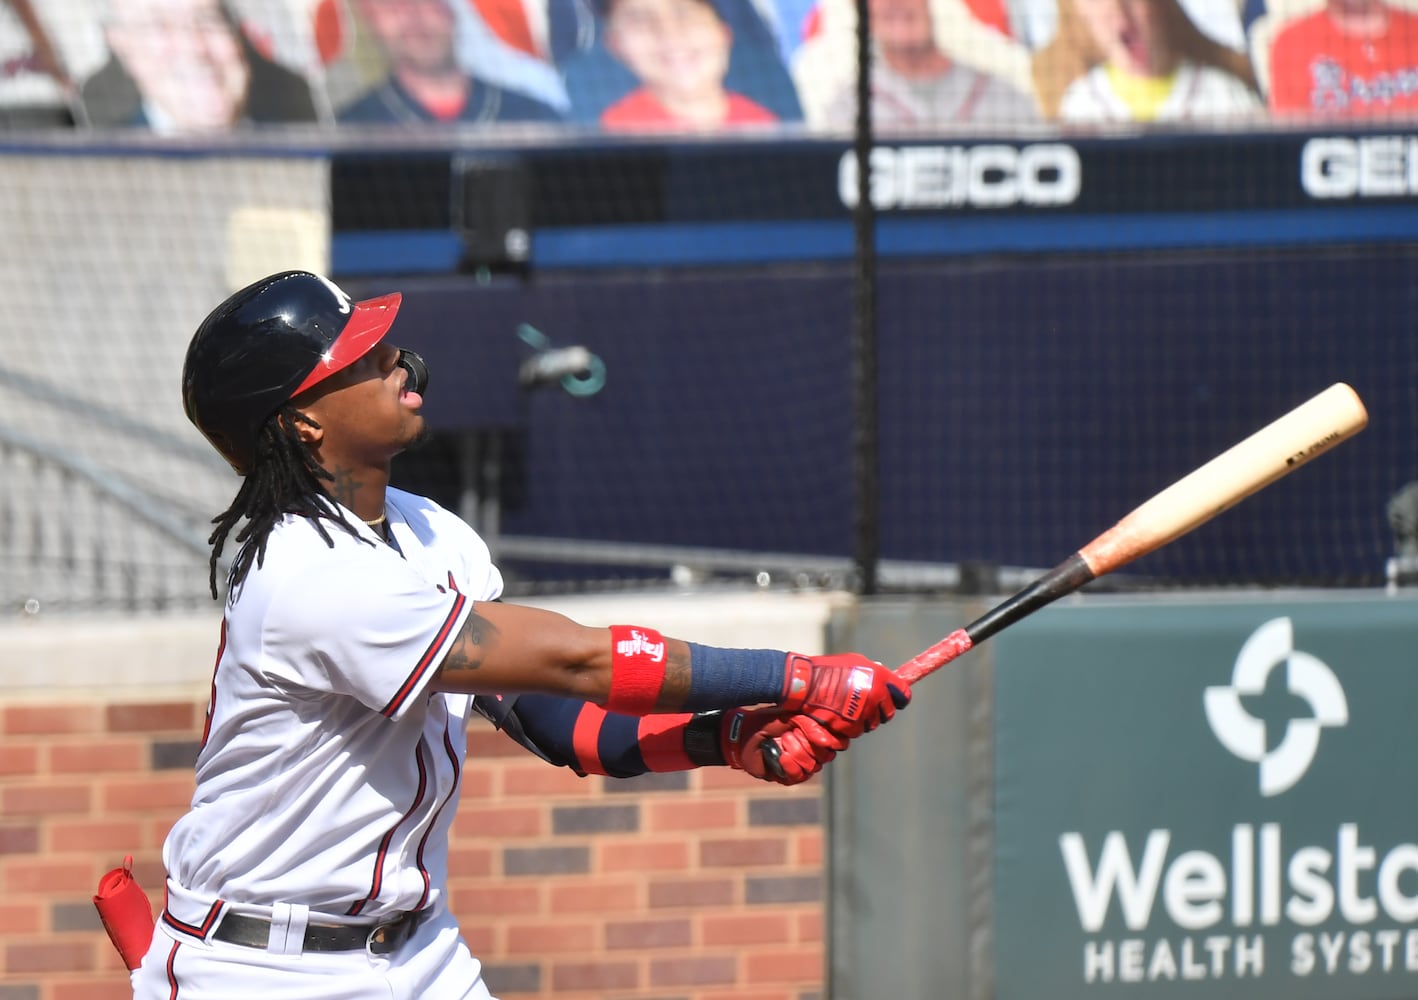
column 1197, row 798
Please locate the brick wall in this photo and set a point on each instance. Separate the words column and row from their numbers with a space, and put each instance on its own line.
column 690, row 886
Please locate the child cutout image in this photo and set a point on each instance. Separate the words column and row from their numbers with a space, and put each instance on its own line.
column 679, row 53
column 1352, row 58
column 1142, row 61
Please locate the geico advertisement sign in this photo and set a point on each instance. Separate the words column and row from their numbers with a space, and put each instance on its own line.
column 986, row 176
column 1342, row 906
column 1376, row 166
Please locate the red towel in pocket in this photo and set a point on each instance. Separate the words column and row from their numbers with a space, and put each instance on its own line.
column 126, row 912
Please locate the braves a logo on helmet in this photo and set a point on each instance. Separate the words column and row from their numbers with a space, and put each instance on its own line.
column 345, row 302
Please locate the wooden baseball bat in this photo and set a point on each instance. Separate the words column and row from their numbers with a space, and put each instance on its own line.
column 1279, row 448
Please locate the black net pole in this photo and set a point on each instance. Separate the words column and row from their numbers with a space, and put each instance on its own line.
column 866, row 541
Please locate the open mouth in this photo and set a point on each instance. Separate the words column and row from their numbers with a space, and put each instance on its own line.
column 1135, row 45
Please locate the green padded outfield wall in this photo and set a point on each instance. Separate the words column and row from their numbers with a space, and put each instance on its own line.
column 1208, row 798
column 909, row 821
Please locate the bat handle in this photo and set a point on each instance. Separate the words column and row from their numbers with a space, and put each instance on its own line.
column 927, row 662
column 1063, row 579
column 931, row 660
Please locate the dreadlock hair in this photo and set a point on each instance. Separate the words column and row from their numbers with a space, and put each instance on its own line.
column 284, row 479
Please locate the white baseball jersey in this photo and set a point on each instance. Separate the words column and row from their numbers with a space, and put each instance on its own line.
column 329, row 773
column 1198, row 93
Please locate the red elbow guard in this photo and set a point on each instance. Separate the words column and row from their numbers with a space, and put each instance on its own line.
column 637, row 669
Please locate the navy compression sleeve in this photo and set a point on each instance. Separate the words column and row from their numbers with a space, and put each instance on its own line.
column 590, row 740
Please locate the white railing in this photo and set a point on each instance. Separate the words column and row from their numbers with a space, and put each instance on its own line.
column 76, row 537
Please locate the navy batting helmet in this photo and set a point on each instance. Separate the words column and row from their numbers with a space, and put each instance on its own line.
column 273, row 340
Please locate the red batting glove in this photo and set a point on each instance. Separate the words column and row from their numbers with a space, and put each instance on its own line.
column 803, row 745
column 846, row 693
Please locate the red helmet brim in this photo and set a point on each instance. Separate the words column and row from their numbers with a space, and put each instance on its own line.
column 368, row 323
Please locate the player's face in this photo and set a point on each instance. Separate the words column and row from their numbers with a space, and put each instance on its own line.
column 675, row 47
column 365, row 413
column 1131, row 34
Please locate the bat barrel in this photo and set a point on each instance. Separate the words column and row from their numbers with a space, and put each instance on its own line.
column 1279, row 448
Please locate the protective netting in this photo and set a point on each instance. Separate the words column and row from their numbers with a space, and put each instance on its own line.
column 1069, row 318
column 1026, row 405
column 108, row 265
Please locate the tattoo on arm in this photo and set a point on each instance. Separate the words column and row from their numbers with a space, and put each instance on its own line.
column 471, row 645
column 675, row 687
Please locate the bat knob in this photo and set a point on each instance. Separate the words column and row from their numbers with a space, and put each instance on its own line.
column 771, row 759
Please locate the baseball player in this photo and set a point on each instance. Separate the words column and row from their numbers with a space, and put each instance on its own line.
column 362, row 630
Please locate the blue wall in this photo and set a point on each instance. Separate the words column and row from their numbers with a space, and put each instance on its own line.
column 1026, row 402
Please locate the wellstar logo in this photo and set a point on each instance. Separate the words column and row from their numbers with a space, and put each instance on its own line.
column 1270, row 646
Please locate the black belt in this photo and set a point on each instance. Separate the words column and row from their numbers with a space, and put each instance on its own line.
column 255, row 932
